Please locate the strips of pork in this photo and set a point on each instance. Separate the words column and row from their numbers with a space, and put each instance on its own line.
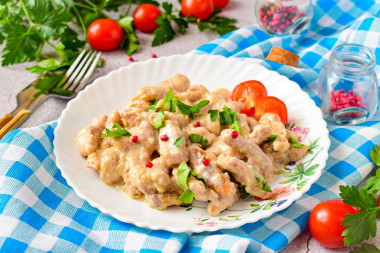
column 255, row 155
column 141, row 159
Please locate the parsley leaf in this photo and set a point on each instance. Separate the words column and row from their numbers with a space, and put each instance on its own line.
column 130, row 42
column 295, row 143
column 271, row 138
column 219, row 24
column 179, row 140
column 187, row 196
column 199, row 177
column 184, row 108
column 366, row 248
column 372, row 184
column 169, row 101
column 360, row 225
column 153, row 107
column 375, row 155
column 214, row 114
column 263, row 185
column 196, row 138
column 227, row 116
column 359, row 198
column 158, row 121
column 118, row 131
column 245, row 193
column 165, row 31
column 235, row 126
column 183, row 173
column 196, row 108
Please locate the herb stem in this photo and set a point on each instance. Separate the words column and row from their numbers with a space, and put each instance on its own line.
column 84, row 6
column 93, row 5
column 26, row 13
column 129, row 8
column 81, row 22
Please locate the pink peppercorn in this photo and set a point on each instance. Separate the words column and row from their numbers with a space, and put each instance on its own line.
column 149, row 164
column 197, row 124
column 164, row 137
column 154, row 55
column 206, row 162
column 135, row 138
column 340, row 100
column 234, row 134
column 131, row 58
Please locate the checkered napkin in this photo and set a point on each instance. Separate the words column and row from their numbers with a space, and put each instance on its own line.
column 39, row 212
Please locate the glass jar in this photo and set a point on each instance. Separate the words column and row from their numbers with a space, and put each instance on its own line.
column 348, row 86
column 278, row 17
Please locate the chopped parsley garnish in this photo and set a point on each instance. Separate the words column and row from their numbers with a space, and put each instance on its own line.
column 227, row 116
column 117, row 131
column 214, row 114
column 153, row 107
column 296, row 144
column 179, row 140
column 263, row 185
column 272, row 138
column 235, row 126
column 170, row 101
column 196, row 138
column 158, row 121
column 183, row 174
column 245, row 193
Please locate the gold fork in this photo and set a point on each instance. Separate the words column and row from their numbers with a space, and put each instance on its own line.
column 29, row 98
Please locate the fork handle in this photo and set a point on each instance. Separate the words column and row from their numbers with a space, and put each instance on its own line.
column 13, row 122
column 4, row 120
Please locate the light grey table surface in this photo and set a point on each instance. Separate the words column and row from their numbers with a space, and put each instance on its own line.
column 14, row 78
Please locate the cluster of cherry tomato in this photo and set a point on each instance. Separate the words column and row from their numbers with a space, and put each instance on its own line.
column 106, row 34
column 253, row 95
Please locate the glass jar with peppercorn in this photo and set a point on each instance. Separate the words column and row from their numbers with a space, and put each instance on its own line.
column 279, row 17
column 348, row 86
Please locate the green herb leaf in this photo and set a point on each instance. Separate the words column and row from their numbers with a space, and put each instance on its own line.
column 158, row 121
column 183, row 173
column 235, row 126
column 375, row 155
column 263, row 185
column 219, row 24
column 360, row 225
column 164, row 32
column 169, row 101
column 187, row 196
column 366, row 248
column 196, row 138
column 359, row 198
column 199, row 177
column 227, row 116
column 118, row 131
column 272, row 138
column 179, row 140
column 130, row 42
column 184, row 108
column 153, row 107
column 245, row 193
column 295, row 143
column 196, row 108
column 214, row 114
column 372, row 185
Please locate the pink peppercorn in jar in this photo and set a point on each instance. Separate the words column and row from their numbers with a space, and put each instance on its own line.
column 278, row 17
column 348, row 86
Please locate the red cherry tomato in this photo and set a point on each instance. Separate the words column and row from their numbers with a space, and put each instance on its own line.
column 220, row 3
column 201, row 9
column 105, row 34
column 325, row 222
column 271, row 105
column 144, row 17
column 249, row 92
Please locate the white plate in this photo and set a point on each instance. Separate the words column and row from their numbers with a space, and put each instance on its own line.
column 113, row 92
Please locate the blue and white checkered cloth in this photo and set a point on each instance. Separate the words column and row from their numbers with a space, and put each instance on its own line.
column 39, row 212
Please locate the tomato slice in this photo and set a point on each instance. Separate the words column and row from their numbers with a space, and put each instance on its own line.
column 248, row 93
column 271, row 105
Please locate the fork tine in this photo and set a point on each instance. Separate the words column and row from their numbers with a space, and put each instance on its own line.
column 78, row 68
column 75, row 63
column 88, row 73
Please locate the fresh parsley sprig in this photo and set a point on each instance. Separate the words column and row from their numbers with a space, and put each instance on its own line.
column 296, row 143
column 272, row 138
column 179, row 140
column 117, row 131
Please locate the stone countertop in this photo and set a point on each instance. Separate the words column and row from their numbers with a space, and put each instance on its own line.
column 14, row 78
